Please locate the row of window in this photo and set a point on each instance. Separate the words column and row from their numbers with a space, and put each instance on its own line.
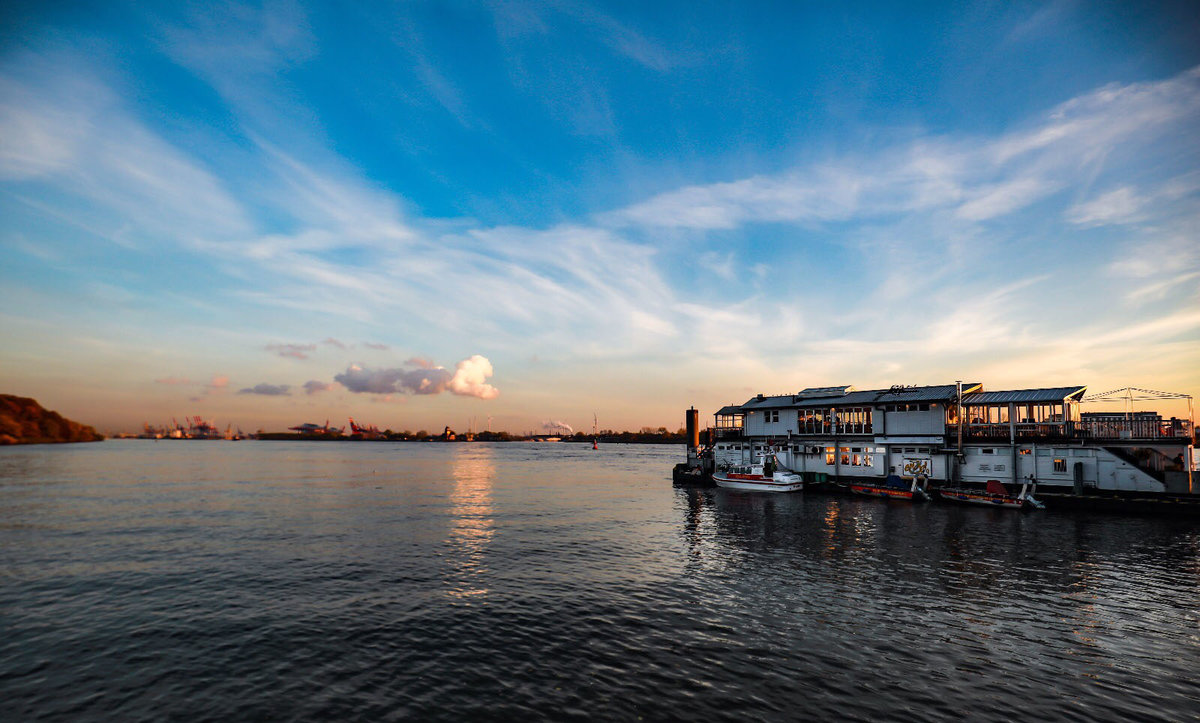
column 798, row 449
column 864, row 456
column 1060, row 465
column 915, row 407
column 841, row 420
column 851, row 456
column 848, row 420
column 1022, row 413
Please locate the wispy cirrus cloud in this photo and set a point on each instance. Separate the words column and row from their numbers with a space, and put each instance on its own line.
column 975, row 179
column 915, row 228
column 1004, row 198
column 295, row 351
column 68, row 128
column 1118, row 206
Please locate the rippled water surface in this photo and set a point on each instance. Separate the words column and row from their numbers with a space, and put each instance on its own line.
column 216, row 580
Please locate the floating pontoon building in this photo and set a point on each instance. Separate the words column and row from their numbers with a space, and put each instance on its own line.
column 961, row 433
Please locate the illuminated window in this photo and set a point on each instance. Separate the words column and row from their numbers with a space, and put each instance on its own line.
column 1026, row 451
column 829, row 455
column 1060, row 465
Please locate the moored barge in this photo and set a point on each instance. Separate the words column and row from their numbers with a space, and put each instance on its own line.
column 958, row 437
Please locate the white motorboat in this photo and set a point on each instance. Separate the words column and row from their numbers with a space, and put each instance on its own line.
column 763, row 476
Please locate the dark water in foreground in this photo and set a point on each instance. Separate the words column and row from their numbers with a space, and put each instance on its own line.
column 252, row 580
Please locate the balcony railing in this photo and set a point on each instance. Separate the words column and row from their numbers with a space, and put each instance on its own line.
column 1108, row 429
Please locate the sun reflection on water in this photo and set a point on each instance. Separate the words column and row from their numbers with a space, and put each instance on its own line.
column 472, row 521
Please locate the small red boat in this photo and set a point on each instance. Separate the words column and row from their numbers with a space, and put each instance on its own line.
column 894, row 488
column 994, row 495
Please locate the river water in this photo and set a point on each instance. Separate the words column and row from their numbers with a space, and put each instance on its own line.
column 147, row 580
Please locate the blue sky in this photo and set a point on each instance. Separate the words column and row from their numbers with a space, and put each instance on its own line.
column 422, row 212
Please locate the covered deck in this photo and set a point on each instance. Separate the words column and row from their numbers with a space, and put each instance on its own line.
column 1054, row 414
column 729, row 421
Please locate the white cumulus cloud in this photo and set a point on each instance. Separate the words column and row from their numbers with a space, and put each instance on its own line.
column 469, row 379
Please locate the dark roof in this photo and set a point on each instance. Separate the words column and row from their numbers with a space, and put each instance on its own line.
column 842, row 397
column 731, row 409
column 787, row 400
column 939, row 393
column 1025, row 396
column 895, row 395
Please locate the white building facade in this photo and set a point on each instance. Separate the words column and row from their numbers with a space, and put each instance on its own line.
column 957, row 434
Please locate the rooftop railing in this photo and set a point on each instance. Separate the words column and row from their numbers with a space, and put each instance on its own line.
column 1108, row 429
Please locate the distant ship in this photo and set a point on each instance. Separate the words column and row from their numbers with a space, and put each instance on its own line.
column 317, row 430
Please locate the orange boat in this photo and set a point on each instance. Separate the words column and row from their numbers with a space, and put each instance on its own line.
column 893, row 488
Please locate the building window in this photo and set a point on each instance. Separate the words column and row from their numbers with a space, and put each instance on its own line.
column 773, row 416
column 1060, row 465
column 829, row 455
column 988, row 451
column 1026, row 452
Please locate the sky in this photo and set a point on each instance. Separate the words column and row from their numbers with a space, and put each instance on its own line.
column 421, row 214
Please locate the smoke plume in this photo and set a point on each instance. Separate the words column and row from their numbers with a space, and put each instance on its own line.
column 556, row 427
